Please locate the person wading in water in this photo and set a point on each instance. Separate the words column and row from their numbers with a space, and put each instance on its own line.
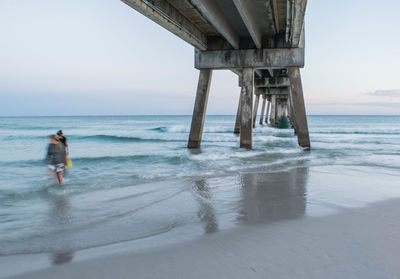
column 63, row 140
column 56, row 157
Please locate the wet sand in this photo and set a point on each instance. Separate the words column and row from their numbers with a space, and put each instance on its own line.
column 309, row 222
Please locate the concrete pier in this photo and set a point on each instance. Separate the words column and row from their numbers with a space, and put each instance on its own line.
column 256, row 103
column 246, row 126
column 236, row 130
column 267, row 114
column 272, row 117
column 200, row 106
column 299, row 107
column 262, row 109
column 281, row 104
column 262, row 42
column 291, row 115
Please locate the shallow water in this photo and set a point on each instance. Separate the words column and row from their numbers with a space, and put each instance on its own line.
column 133, row 177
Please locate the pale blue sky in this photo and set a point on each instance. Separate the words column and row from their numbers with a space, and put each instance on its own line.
column 82, row 57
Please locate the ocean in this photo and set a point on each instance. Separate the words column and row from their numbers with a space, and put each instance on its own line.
column 134, row 180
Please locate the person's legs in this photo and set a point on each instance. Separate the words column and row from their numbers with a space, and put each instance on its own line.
column 51, row 170
column 59, row 171
column 59, row 177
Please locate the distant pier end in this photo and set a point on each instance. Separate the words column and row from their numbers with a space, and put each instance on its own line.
column 262, row 41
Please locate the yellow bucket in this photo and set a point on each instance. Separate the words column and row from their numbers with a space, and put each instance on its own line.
column 69, row 163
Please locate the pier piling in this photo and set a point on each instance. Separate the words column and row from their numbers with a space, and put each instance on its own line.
column 200, row 106
column 262, row 109
column 298, row 107
column 236, row 130
column 256, row 108
column 273, row 111
column 246, row 114
column 267, row 114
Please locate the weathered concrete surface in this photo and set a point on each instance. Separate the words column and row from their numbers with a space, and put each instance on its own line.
column 281, row 103
column 214, row 14
column 248, row 15
column 297, row 25
column 267, row 114
column 246, row 127
column 262, row 110
column 200, row 106
column 256, row 103
column 280, row 109
column 272, row 82
column 259, row 58
column 238, row 118
column 272, row 118
column 237, row 24
column 299, row 107
column 171, row 19
column 291, row 115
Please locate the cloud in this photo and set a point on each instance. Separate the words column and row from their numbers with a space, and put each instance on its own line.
column 395, row 93
column 352, row 104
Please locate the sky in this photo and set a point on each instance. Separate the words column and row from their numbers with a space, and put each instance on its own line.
column 101, row 57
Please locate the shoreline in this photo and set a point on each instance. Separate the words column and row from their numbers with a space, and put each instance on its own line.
column 285, row 224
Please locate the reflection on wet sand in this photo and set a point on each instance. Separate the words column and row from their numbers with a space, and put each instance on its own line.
column 273, row 196
column 62, row 257
column 60, row 219
column 206, row 211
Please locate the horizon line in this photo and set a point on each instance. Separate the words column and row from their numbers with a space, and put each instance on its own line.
column 140, row 115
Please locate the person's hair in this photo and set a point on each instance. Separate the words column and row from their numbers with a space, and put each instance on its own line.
column 53, row 137
column 59, row 133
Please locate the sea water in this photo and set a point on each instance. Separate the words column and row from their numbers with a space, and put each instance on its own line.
column 133, row 177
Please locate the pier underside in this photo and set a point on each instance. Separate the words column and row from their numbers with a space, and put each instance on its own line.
column 262, row 41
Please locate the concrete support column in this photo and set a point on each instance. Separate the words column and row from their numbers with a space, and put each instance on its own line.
column 262, row 110
column 246, row 127
column 267, row 114
column 255, row 110
column 291, row 115
column 238, row 118
column 272, row 117
column 200, row 106
column 278, row 111
column 283, row 104
column 299, row 107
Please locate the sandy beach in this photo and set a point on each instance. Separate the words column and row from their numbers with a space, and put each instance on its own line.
column 317, row 222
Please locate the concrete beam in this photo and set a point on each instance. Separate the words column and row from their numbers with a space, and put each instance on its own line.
column 200, row 106
column 246, row 13
column 211, row 11
column 299, row 109
column 258, row 74
column 272, row 82
column 280, row 92
column 298, row 21
column 276, row 15
column 171, row 19
column 246, row 95
column 270, row 72
column 262, row 58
